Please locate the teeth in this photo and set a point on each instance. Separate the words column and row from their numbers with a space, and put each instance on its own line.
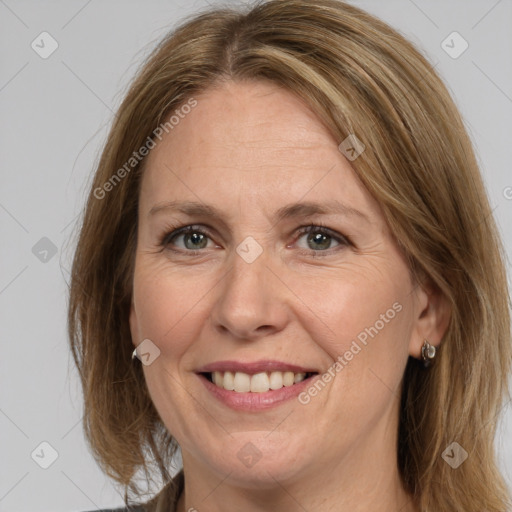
column 242, row 382
column 219, row 380
column 258, row 383
column 227, row 381
column 276, row 380
column 288, row 378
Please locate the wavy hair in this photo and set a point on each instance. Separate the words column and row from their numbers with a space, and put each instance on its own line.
column 360, row 76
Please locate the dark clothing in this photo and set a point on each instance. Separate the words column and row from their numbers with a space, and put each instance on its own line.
column 165, row 501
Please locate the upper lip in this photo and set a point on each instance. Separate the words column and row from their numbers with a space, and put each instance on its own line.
column 264, row 365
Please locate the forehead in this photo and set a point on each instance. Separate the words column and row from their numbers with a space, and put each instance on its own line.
column 250, row 142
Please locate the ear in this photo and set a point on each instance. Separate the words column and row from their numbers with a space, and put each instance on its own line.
column 432, row 313
column 134, row 324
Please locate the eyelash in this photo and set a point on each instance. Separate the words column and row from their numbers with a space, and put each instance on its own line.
column 173, row 233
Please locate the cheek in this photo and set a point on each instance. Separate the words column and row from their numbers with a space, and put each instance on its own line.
column 167, row 312
column 369, row 350
column 166, row 308
column 355, row 304
column 369, row 326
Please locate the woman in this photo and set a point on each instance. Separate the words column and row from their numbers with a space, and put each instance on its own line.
column 289, row 270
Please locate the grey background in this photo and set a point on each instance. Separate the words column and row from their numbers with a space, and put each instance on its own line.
column 54, row 116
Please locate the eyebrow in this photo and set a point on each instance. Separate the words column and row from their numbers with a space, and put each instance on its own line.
column 294, row 210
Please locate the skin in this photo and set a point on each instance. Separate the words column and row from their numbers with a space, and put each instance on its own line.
column 249, row 149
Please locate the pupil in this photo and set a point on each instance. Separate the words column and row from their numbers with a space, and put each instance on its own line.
column 317, row 239
column 196, row 238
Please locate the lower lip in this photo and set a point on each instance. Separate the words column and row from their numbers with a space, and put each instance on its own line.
column 256, row 401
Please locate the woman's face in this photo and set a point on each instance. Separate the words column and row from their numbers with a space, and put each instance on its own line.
column 248, row 291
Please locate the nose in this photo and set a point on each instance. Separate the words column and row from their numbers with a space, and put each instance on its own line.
column 251, row 299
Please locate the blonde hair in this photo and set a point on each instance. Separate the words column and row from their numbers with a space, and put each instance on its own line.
column 360, row 77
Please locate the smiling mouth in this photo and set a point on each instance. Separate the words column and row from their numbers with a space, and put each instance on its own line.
column 241, row 382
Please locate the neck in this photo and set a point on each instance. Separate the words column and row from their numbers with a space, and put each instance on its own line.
column 366, row 479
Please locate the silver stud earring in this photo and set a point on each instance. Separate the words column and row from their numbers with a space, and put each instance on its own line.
column 134, row 353
column 428, row 352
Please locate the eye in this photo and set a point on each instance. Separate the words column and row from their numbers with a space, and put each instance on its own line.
column 320, row 238
column 193, row 238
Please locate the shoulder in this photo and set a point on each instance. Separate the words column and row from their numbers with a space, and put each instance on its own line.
column 151, row 506
column 165, row 501
column 135, row 508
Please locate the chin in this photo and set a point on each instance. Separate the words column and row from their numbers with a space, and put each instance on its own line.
column 254, row 462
